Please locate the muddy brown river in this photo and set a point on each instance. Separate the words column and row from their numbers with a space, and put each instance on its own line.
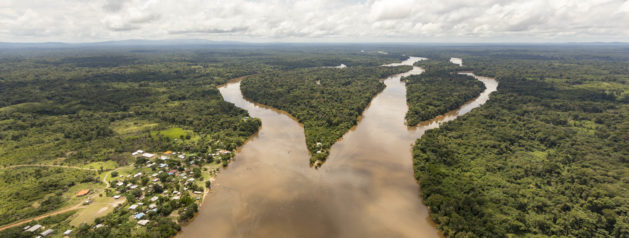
column 366, row 187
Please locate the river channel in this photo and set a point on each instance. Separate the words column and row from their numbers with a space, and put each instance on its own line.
column 366, row 188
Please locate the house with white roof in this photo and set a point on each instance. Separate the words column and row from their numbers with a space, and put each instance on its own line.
column 148, row 155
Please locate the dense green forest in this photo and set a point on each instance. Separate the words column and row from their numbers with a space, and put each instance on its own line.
column 546, row 155
column 438, row 90
column 327, row 101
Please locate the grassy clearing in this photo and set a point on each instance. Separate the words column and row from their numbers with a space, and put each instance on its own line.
column 132, row 126
column 100, row 207
column 105, row 165
column 174, row 133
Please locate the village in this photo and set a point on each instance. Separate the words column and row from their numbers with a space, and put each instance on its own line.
column 169, row 184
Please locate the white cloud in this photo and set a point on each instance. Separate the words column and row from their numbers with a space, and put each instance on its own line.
column 315, row 20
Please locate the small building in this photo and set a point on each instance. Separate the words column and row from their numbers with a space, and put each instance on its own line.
column 168, row 152
column 133, row 207
column 66, row 233
column 119, row 184
column 137, row 152
column 47, row 232
column 152, row 206
column 222, row 152
column 133, row 186
column 82, row 193
column 181, row 156
column 116, row 196
column 139, row 215
column 98, row 226
column 162, row 165
column 198, row 192
column 176, row 198
column 164, row 157
column 143, row 222
column 172, row 172
column 148, row 155
column 153, row 199
column 26, row 227
column 34, row 228
column 137, row 175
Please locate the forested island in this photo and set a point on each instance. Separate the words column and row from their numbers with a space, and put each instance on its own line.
column 327, row 101
column 546, row 156
column 438, row 90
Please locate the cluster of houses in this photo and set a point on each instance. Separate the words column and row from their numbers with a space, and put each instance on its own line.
column 169, row 170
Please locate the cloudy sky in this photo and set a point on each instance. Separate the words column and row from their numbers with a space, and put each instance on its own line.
column 316, row 20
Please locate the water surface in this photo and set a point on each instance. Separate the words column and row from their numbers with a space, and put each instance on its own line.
column 366, row 187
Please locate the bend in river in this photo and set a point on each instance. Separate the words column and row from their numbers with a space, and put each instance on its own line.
column 365, row 189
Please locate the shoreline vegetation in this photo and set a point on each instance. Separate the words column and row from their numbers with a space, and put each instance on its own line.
column 327, row 101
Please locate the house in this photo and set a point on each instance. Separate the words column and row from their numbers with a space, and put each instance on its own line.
column 139, row 215
column 153, row 199
column 155, row 179
column 34, row 228
column 66, row 233
column 181, row 156
column 47, row 232
column 148, row 155
column 176, row 198
column 26, row 227
column 137, row 175
column 190, row 180
column 172, row 172
column 154, row 175
column 133, row 207
column 168, row 152
column 133, row 186
column 116, row 196
column 143, row 222
column 119, row 184
column 82, row 193
column 164, row 157
column 197, row 192
column 152, row 206
column 137, row 152
column 319, row 144
column 162, row 165
column 98, row 226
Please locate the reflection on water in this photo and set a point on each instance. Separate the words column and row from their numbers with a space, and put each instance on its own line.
column 366, row 187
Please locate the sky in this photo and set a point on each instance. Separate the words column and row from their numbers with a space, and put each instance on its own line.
column 448, row 21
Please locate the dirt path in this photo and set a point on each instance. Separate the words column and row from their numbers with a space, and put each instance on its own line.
column 75, row 207
column 47, row 165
